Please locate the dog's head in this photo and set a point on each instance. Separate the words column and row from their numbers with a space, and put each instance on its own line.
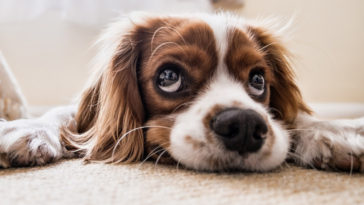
column 207, row 91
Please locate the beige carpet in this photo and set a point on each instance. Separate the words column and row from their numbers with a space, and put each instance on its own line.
column 71, row 182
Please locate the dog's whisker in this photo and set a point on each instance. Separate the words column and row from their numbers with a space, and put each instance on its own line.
column 276, row 110
column 352, row 155
column 159, row 149
column 263, row 49
column 130, row 131
column 182, row 105
column 173, row 28
column 177, row 165
column 154, row 35
column 159, row 157
column 179, row 34
column 351, row 163
column 301, row 129
column 153, row 152
column 284, row 165
column 161, row 45
column 160, row 29
column 298, row 157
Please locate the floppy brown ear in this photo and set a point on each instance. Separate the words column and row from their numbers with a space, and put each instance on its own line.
column 285, row 97
column 109, row 109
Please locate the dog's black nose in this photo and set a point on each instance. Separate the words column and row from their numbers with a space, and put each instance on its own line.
column 240, row 130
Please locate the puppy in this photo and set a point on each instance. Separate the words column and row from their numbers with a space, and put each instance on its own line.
column 209, row 92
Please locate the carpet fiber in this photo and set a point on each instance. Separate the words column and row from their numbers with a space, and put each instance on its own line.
column 72, row 182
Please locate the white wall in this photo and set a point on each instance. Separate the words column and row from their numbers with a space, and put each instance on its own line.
column 49, row 57
column 328, row 44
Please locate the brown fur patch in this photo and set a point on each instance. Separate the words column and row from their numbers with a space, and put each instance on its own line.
column 242, row 57
column 196, row 144
column 210, row 136
column 285, row 97
column 157, row 139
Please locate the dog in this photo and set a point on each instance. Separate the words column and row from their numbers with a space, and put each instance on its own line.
column 210, row 92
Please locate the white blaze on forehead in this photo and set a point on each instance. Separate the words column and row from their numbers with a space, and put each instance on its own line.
column 221, row 24
column 220, row 28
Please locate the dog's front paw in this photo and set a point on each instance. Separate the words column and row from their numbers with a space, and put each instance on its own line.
column 25, row 143
column 333, row 155
column 331, row 146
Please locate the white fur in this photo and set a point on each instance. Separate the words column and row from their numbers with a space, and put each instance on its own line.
column 325, row 140
column 39, row 138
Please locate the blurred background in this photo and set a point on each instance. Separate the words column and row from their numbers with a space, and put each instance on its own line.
column 48, row 42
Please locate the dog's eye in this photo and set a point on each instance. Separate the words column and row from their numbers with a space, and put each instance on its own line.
column 169, row 80
column 256, row 83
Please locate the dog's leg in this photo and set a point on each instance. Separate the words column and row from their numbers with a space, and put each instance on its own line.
column 329, row 145
column 29, row 142
column 12, row 102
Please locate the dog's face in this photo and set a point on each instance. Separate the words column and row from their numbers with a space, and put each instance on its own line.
column 207, row 91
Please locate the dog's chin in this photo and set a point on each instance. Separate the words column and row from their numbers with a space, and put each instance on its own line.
column 224, row 160
column 230, row 162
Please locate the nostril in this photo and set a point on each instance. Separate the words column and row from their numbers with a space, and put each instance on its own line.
column 234, row 130
column 230, row 131
column 258, row 136
column 260, row 130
